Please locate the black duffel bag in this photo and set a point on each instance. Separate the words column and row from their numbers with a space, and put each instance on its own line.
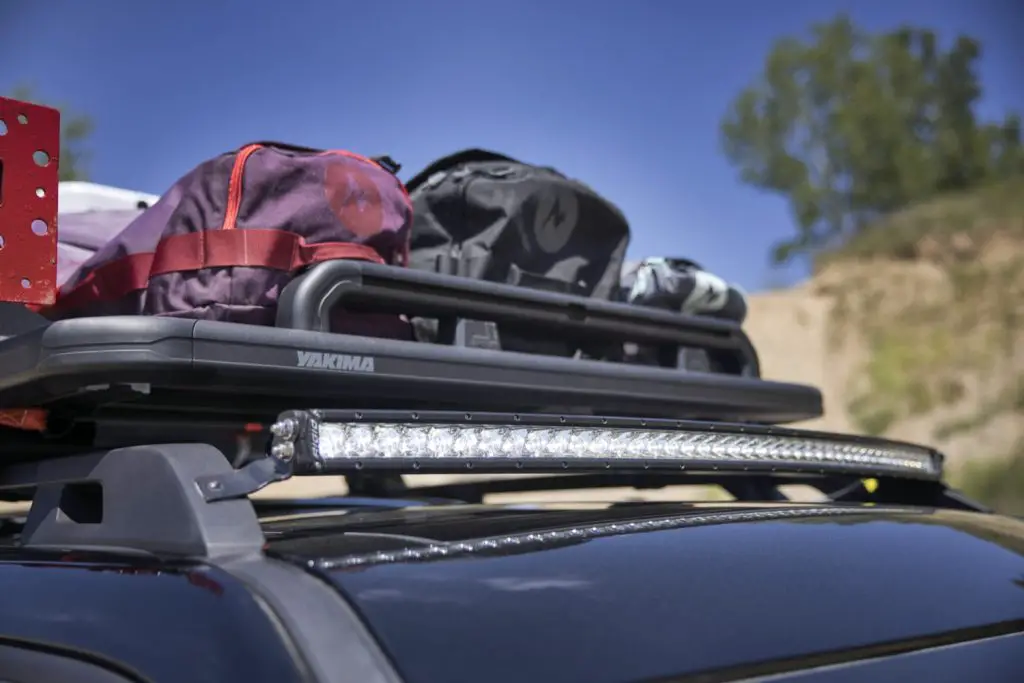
column 484, row 215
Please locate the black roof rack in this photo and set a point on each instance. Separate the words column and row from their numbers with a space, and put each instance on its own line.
column 157, row 369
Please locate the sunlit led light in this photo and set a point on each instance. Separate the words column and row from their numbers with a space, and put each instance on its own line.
column 424, row 442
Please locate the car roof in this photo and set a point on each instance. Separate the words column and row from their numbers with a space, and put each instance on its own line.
column 642, row 591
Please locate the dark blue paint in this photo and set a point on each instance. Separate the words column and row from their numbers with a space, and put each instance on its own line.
column 191, row 624
column 615, row 609
column 657, row 604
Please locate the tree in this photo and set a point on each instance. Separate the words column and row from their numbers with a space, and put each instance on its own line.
column 75, row 130
column 850, row 126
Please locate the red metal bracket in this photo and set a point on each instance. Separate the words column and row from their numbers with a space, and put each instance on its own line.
column 29, row 150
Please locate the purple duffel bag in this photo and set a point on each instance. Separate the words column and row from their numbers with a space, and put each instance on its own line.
column 229, row 235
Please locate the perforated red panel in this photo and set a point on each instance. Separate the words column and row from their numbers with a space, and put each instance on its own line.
column 29, row 147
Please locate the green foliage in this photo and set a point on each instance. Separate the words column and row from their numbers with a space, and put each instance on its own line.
column 75, row 130
column 909, row 372
column 850, row 127
column 994, row 208
column 924, row 352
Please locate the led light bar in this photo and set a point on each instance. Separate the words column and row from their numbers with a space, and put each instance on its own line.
column 318, row 444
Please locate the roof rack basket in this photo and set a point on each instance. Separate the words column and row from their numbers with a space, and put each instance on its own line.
column 148, row 369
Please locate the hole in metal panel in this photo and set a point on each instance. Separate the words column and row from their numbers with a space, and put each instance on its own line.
column 40, row 157
column 39, row 227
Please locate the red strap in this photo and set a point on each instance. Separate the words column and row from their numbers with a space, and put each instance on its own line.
column 273, row 249
column 30, row 419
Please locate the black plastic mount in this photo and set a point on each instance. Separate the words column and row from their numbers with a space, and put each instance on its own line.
column 175, row 499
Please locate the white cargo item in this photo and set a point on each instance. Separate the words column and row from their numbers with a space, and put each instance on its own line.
column 78, row 197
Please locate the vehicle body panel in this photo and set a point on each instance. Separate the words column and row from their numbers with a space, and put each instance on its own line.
column 623, row 593
column 998, row 659
column 162, row 621
column 653, row 591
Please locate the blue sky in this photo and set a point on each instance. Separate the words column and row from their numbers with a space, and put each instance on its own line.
column 624, row 94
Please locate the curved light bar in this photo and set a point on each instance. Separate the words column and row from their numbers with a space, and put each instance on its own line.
column 416, row 446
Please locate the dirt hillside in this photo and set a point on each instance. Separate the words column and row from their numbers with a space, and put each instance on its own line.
column 916, row 331
column 967, row 409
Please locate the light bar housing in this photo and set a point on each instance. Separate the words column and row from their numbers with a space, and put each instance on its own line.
column 324, row 442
